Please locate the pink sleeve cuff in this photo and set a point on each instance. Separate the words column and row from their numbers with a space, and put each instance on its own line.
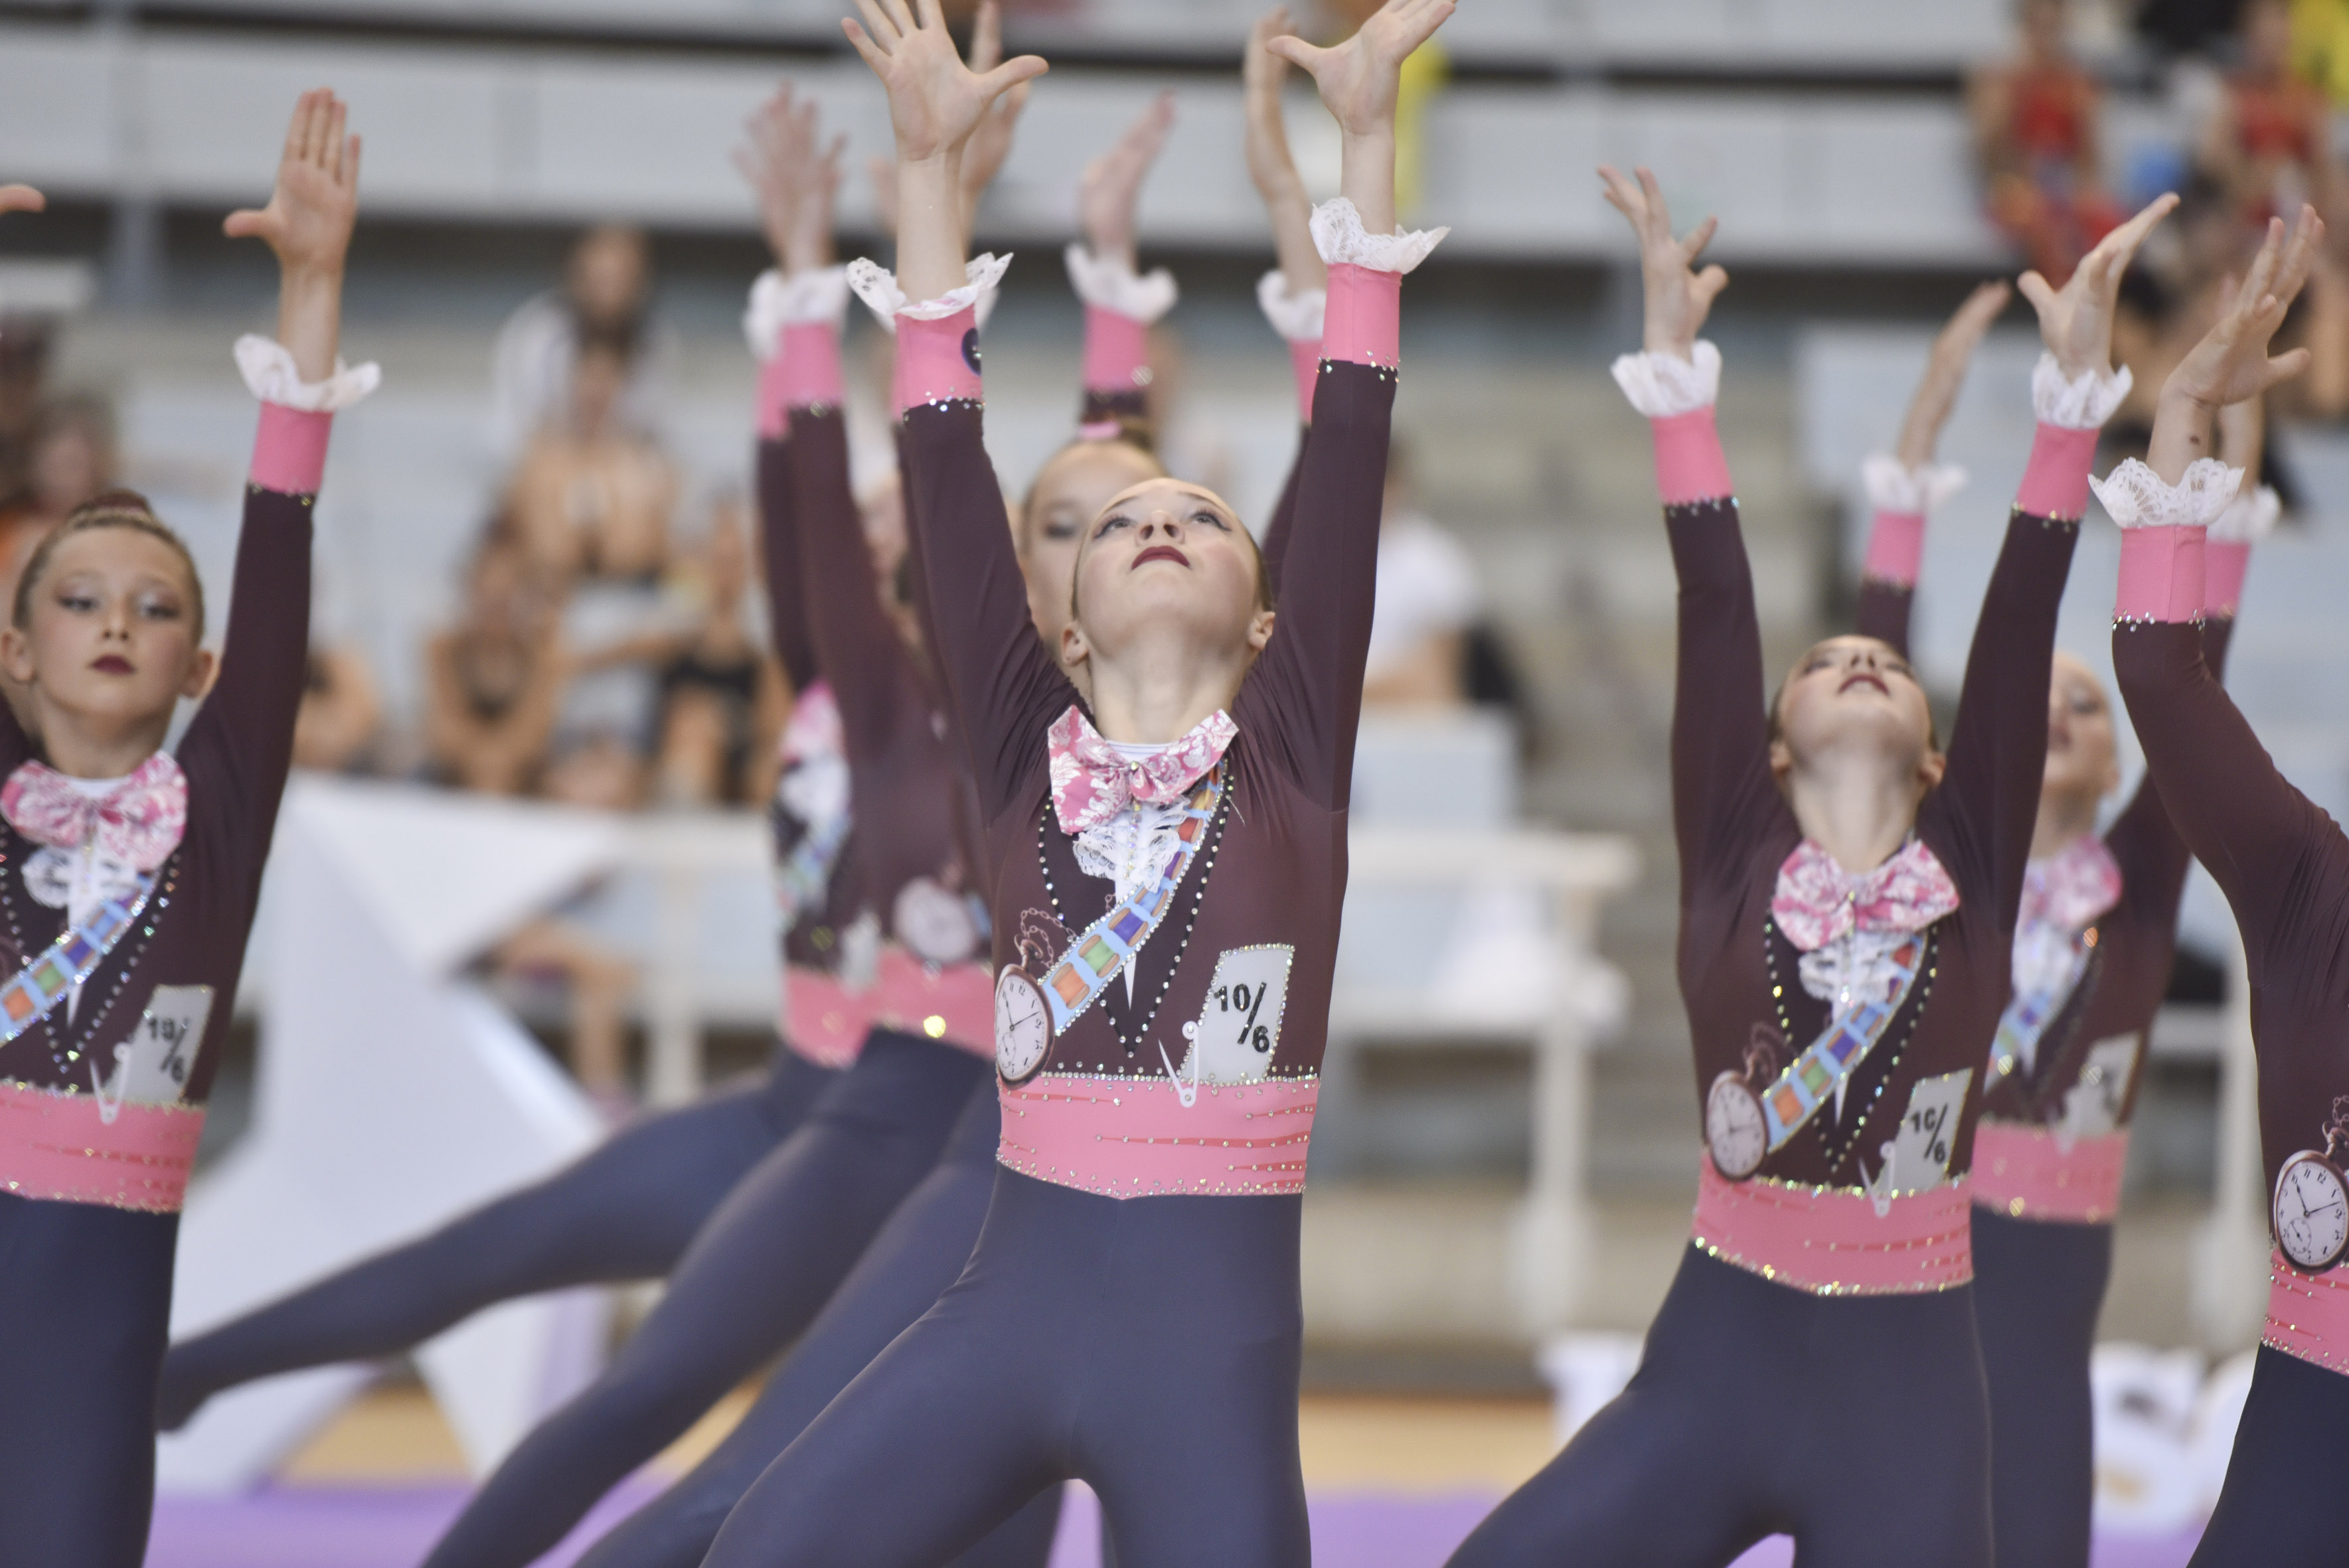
column 2224, row 563
column 289, row 453
column 1362, row 322
column 1896, row 548
column 1117, row 352
column 1305, row 363
column 811, row 362
column 2056, row 482
column 774, row 399
column 937, row 361
column 2162, row 575
column 1690, row 466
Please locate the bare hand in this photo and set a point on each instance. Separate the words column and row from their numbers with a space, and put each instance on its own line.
column 1112, row 187
column 1359, row 77
column 934, row 100
column 1262, row 73
column 991, row 141
column 795, row 177
column 2242, row 428
column 2230, row 365
column 1678, row 297
column 1945, row 372
column 21, row 199
column 311, row 213
column 2077, row 323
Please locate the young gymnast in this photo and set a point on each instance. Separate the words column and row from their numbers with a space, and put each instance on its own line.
column 2284, row 866
column 128, row 876
column 1849, row 899
column 2092, row 947
column 1129, row 1316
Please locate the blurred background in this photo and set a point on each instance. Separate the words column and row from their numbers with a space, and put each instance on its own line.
column 551, row 265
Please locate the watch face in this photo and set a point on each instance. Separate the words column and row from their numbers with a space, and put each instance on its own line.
column 1733, row 1129
column 1023, row 1028
column 2311, row 1213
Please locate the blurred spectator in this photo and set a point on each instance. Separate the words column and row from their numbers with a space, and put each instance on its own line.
column 2268, row 140
column 1427, row 602
column 606, row 294
column 593, row 496
column 68, row 457
column 341, row 715
column 721, row 697
column 23, row 370
column 494, row 681
column 2036, row 122
column 2320, row 46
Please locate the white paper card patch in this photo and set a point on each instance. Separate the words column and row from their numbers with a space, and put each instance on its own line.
column 1917, row 1157
column 1239, row 1028
column 2092, row 1108
column 151, row 1067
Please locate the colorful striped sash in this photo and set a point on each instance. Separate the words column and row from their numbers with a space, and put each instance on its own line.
column 1101, row 952
column 34, row 991
column 1813, row 1077
column 2028, row 1014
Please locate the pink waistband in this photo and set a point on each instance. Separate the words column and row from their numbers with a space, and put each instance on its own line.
column 2025, row 1173
column 2308, row 1314
column 1117, row 352
column 2162, row 575
column 811, row 365
column 59, row 1147
column 289, row 451
column 826, row 1022
column 774, row 399
column 1134, row 1138
column 2055, row 483
column 1896, row 548
column 1690, row 466
column 2225, row 562
column 1305, row 363
column 1362, row 322
column 937, row 360
column 1833, row 1242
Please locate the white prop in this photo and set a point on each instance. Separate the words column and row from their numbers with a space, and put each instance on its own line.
column 390, row 1096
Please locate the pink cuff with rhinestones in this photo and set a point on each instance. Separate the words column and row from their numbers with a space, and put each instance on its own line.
column 62, row 1148
column 1305, row 364
column 1134, row 1138
column 2224, row 563
column 2308, row 1314
column 937, row 361
column 2056, row 482
column 774, row 399
column 2025, row 1173
column 1896, row 548
column 1831, row 1241
column 289, row 451
column 1690, row 466
column 1362, row 323
column 1117, row 352
column 811, row 362
column 2162, row 575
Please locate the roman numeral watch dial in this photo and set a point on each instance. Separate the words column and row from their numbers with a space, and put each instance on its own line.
column 1023, row 1025
column 2312, row 1212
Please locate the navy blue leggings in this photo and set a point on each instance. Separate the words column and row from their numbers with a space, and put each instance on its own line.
column 2038, row 1286
column 754, row 1279
column 1856, row 1424
column 914, row 1259
column 85, row 1303
column 625, row 1210
column 1147, row 1346
column 2283, row 1505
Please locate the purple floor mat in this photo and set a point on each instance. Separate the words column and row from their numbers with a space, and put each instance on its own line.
column 393, row 1526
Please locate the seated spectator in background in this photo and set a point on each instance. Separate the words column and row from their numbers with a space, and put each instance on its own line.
column 341, row 715
column 593, row 496
column 607, row 292
column 722, row 702
column 2269, row 138
column 2035, row 122
column 1427, row 602
column 68, row 457
column 494, row 681
column 24, row 373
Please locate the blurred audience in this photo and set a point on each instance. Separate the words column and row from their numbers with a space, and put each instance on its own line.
column 25, row 342
column 2037, row 134
column 1428, row 601
column 606, row 294
column 340, row 722
column 494, row 680
column 67, row 456
column 2268, row 140
column 593, row 495
column 722, row 701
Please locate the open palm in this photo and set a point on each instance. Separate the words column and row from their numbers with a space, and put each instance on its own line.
column 934, row 100
column 2076, row 322
column 310, row 213
column 1359, row 77
column 2230, row 365
column 1678, row 297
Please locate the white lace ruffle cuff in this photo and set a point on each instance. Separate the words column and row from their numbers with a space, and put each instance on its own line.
column 778, row 302
column 2250, row 517
column 1664, row 385
column 2135, row 498
column 1893, row 486
column 2082, row 404
column 269, row 374
column 1296, row 314
column 1108, row 284
column 1339, row 235
column 876, row 285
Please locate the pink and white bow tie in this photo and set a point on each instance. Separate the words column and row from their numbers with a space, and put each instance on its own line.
column 1091, row 783
column 1817, row 900
column 2072, row 887
column 140, row 821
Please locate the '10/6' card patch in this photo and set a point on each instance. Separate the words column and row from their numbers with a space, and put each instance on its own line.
column 151, row 1067
column 1238, row 1029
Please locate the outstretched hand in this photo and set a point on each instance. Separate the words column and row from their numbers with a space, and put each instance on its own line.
column 1262, row 73
column 311, row 213
column 1361, row 77
column 21, row 199
column 934, row 100
column 1112, row 187
column 1678, row 297
column 794, row 176
column 990, row 139
column 2231, row 364
column 2076, row 321
column 1945, row 372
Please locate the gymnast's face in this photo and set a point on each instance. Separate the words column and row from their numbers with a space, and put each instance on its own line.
column 111, row 638
column 1069, row 492
column 1854, row 697
column 1166, row 557
column 2083, row 754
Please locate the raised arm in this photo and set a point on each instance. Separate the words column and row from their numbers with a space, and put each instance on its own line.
column 245, row 728
column 1294, row 295
column 1905, row 485
column 1121, row 304
column 1989, row 796
column 1309, row 676
column 2234, row 810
